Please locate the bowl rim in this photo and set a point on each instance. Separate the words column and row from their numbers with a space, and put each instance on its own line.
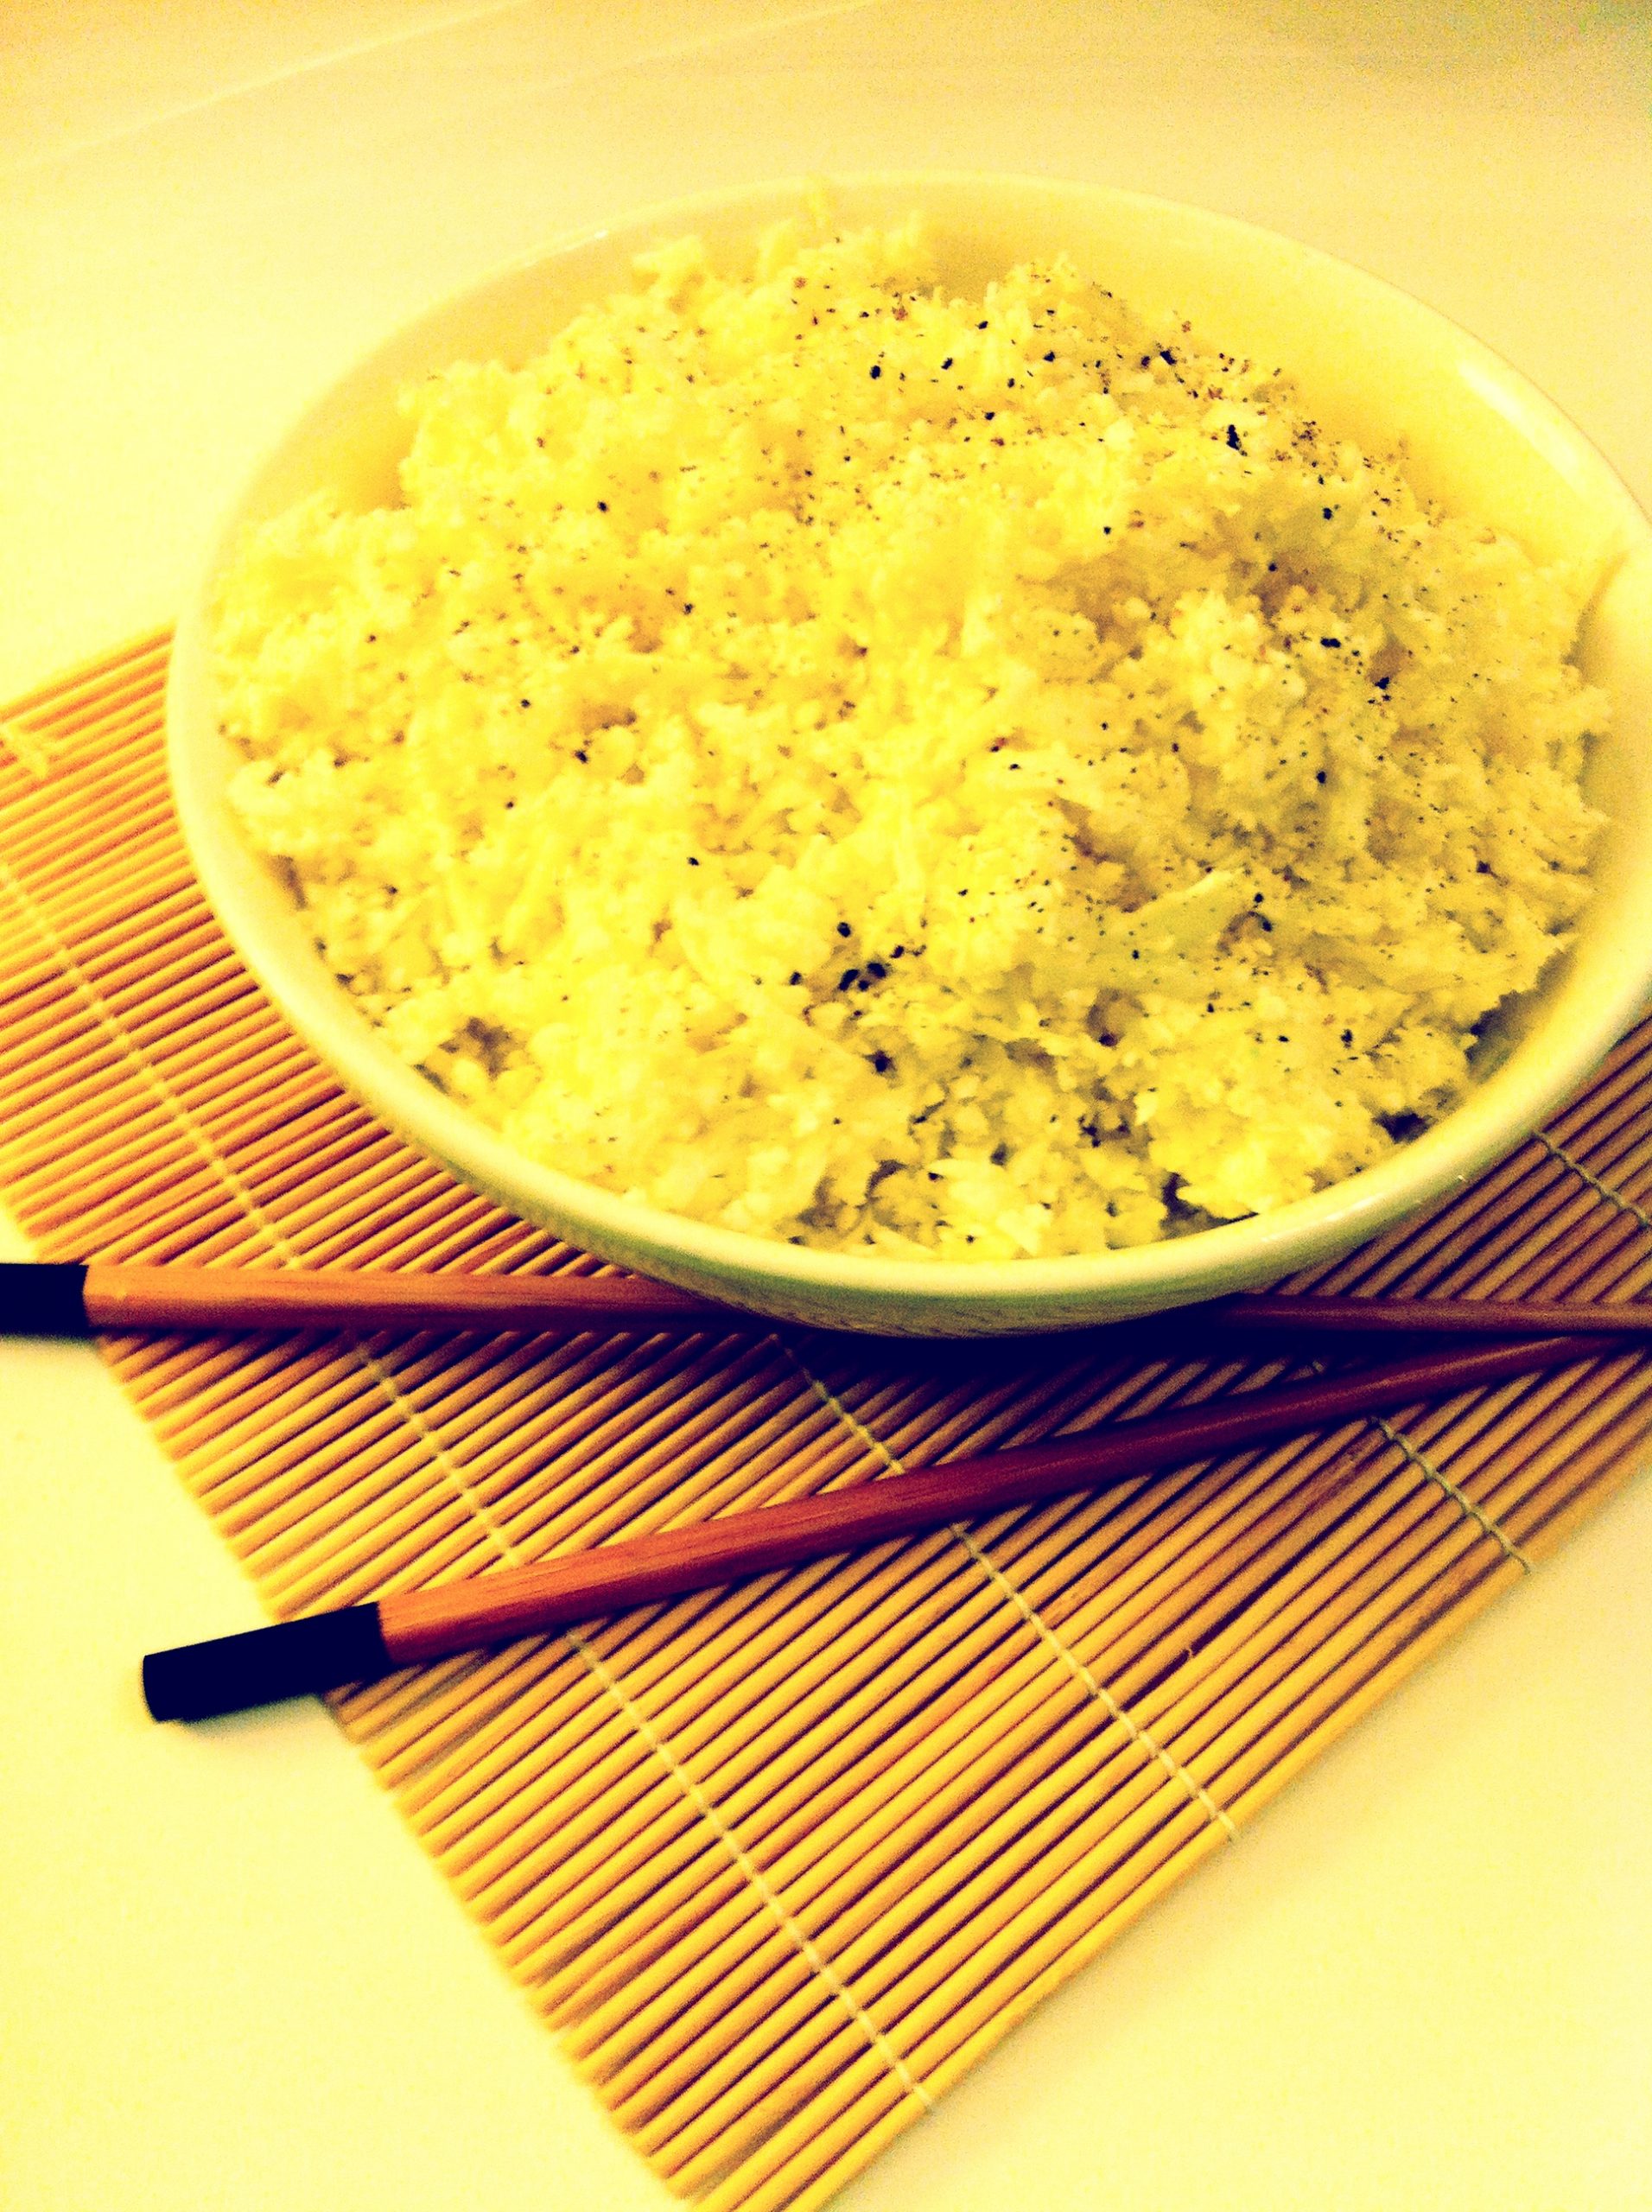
column 1482, row 1127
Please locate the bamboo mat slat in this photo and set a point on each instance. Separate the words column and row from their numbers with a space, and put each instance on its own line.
column 782, row 1862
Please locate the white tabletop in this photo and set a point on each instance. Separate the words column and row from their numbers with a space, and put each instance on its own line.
column 228, row 1978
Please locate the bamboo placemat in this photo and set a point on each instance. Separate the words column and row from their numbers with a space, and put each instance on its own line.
column 780, row 1863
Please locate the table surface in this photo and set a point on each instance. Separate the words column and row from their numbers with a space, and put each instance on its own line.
column 228, row 1978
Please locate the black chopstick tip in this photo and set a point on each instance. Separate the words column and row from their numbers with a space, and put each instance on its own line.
column 322, row 1651
column 43, row 1298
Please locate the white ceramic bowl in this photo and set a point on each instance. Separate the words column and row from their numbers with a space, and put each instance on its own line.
column 1373, row 364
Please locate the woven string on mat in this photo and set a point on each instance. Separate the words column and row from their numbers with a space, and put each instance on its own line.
column 781, row 1863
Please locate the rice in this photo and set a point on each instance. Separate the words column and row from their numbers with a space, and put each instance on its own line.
column 974, row 777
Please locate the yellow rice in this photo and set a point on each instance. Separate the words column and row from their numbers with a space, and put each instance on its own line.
column 965, row 777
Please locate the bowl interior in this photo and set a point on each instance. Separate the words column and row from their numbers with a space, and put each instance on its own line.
column 1375, row 366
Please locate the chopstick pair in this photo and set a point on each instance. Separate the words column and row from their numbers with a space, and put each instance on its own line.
column 329, row 1650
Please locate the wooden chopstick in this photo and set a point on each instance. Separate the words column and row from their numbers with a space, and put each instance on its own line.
column 324, row 1651
column 64, row 1298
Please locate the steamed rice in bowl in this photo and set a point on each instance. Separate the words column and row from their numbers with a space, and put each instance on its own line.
column 965, row 778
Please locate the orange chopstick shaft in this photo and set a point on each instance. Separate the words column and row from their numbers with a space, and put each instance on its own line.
column 420, row 1625
column 176, row 1297
column 135, row 1297
column 1445, row 1317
